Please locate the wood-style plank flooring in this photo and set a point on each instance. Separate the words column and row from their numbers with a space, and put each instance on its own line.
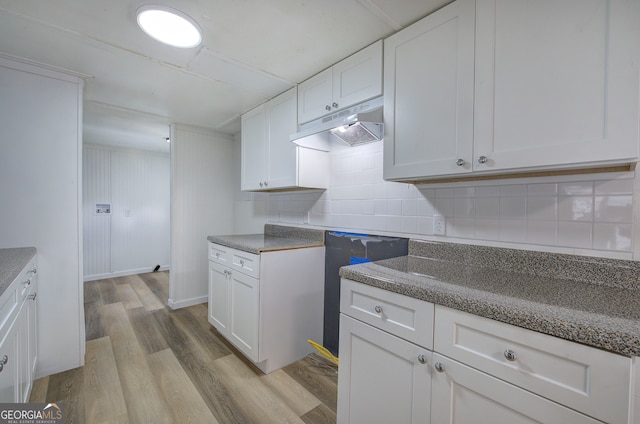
column 148, row 364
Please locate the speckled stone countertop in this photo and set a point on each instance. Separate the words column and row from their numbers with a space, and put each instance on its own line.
column 275, row 237
column 587, row 300
column 12, row 262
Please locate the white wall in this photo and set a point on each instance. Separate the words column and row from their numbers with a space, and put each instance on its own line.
column 134, row 238
column 589, row 215
column 40, row 188
column 202, row 199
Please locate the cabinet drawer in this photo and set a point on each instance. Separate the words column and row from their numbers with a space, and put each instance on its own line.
column 219, row 254
column 403, row 316
column 245, row 262
column 587, row 379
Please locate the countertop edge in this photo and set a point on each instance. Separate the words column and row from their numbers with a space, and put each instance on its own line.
column 597, row 331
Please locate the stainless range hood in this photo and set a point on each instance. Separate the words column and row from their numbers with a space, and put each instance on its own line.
column 357, row 125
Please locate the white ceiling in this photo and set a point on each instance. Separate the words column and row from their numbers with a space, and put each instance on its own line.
column 252, row 50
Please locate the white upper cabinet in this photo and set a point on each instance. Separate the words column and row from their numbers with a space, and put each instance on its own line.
column 353, row 80
column 547, row 85
column 556, row 82
column 269, row 161
column 428, row 95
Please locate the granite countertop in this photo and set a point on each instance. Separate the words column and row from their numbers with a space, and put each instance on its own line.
column 275, row 237
column 591, row 301
column 12, row 262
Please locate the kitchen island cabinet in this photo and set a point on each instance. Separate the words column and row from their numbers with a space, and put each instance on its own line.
column 482, row 87
column 269, row 161
column 517, row 336
column 267, row 299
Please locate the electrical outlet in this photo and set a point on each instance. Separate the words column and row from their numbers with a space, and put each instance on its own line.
column 439, row 225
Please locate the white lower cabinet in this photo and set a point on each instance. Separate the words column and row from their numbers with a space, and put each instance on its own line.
column 388, row 378
column 464, row 395
column 18, row 336
column 471, row 370
column 267, row 305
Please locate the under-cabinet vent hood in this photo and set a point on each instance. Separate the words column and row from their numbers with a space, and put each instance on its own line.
column 357, row 125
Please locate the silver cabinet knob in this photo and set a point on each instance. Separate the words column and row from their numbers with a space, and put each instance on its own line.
column 226, row 272
column 241, row 262
column 3, row 362
column 460, row 162
column 217, row 254
column 34, row 271
column 327, row 107
column 27, row 283
column 422, row 359
column 482, row 159
column 439, row 366
column 265, row 184
column 510, row 355
column 261, row 184
column 335, row 105
column 32, row 296
column 378, row 309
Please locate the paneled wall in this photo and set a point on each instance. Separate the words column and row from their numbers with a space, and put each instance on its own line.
column 590, row 214
column 134, row 237
column 201, row 205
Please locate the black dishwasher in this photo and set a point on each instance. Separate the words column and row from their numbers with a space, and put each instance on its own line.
column 342, row 249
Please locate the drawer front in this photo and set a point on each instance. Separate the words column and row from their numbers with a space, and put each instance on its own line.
column 587, row 379
column 219, row 254
column 246, row 263
column 403, row 316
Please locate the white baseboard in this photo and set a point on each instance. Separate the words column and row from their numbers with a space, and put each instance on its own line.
column 122, row 273
column 177, row 304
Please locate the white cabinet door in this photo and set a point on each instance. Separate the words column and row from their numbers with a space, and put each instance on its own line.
column 315, row 96
column 219, row 297
column 381, row 378
column 32, row 335
column 358, row 77
column 463, row 395
column 243, row 314
column 253, row 149
column 556, row 82
column 428, row 95
column 10, row 371
column 281, row 118
column 350, row 81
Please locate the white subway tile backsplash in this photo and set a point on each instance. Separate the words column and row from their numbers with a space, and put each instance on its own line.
column 586, row 215
column 614, row 187
column 488, row 208
column 542, row 208
column 616, row 237
column 577, row 188
column 575, row 208
column 513, row 207
column 613, row 209
column 542, row 232
column 575, row 234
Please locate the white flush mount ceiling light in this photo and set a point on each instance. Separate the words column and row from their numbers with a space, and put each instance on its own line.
column 169, row 26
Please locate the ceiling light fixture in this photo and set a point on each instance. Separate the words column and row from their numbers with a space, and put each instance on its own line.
column 169, row 26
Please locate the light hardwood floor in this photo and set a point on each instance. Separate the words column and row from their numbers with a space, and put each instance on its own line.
column 148, row 364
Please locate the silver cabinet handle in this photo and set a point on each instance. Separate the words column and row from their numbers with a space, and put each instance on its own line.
column 260, row 183
column 482, row 159
column 226, row 272
column 460, row 162
column 510, row 355
column 378, row 309
column 32, row 296
column 217, row 254
column 327, row 107
column 241, row 262
column 27, row 283
column 34, row 271
column 3, row 362
column 422, row 359
column 439, row 366
column 335, row 105
column 265, row 184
